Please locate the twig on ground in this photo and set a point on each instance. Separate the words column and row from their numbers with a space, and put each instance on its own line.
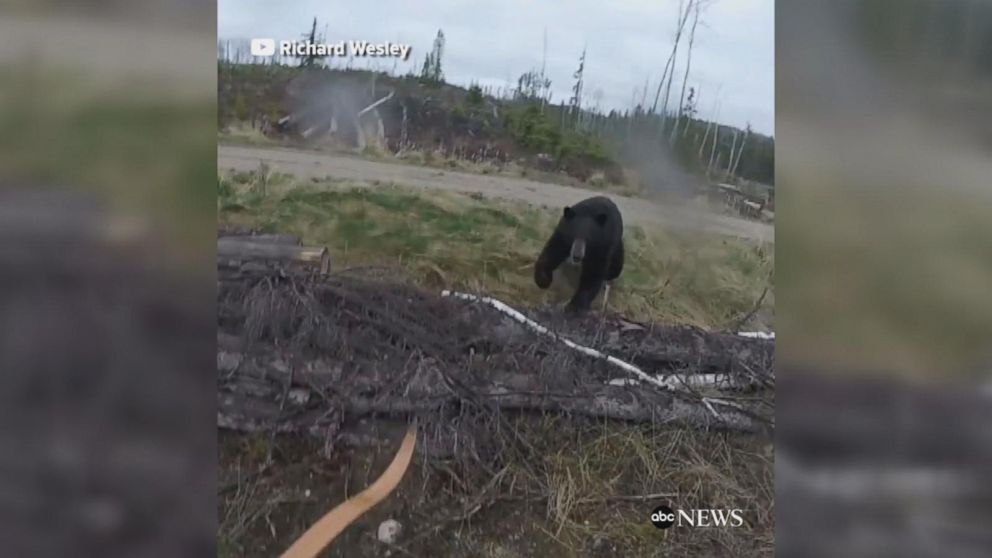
column 739, row 323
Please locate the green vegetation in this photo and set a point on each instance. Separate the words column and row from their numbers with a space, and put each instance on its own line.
column 466, row 243
column 471, row 243
column 912, row 301
column 241, row 134
column 249, row 91
column 474, row 96
column 431, row 73
column 56, row 132
column 580, row 144
column 521, row 123
column 534, row 130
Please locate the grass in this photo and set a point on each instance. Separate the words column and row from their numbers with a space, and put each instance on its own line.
column 577, row 495
column 589, row 472
column 892, row 281
column 244, row 134
column 450, row 241
column 130, row 145
column 567, row 497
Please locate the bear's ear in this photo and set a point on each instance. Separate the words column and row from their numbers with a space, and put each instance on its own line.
column 569, row 212
column 601, row 219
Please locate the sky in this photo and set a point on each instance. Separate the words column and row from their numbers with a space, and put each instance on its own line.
column 493, row 43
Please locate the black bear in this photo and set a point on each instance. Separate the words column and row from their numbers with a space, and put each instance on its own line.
column 589, row 234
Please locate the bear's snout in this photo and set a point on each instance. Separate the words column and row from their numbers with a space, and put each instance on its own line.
column 578, row 251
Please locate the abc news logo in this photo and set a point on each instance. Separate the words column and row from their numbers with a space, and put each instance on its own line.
column 664, row 517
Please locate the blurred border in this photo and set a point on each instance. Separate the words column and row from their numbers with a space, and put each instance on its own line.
column 884, row 129
column 107, row 232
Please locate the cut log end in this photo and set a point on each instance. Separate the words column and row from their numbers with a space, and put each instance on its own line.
column 282, row 249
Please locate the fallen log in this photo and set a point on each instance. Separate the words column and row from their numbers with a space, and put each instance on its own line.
column 322, row 357
column 861, row 452
column 237, row 252
column 264, row 392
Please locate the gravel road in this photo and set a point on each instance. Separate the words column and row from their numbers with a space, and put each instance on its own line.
column 635, row 211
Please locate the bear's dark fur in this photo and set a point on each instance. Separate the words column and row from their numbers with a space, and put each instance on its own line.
column 590, row 233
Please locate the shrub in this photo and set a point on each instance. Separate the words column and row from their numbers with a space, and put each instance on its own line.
column 474, row 97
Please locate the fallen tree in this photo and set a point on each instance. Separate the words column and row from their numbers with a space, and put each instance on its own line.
column 254, row 398
column 243, row 255
column 311, row 354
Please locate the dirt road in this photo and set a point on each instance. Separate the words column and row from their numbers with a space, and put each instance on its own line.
column 636, row 211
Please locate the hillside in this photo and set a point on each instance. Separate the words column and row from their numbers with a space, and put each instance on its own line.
column 290, row 104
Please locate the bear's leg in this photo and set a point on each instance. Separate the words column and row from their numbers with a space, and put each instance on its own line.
column 616, row 262
column 590, row 284
column 553, row 254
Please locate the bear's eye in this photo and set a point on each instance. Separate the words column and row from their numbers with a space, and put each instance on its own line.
column 601, row 219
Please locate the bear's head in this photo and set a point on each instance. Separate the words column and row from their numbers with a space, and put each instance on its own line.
column 582, row 230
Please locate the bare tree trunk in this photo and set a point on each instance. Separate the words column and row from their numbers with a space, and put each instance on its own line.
column 688, row 121
column 359, row 133
column 719, row 157
column 377, row 103
column 380, row 128
column 644, row 95
column 688, row 67
column 733, row 146
column 675, row 48
column 706, row 136
column 713, row 119
column 544, row 59
column 633, row 112
column 740, row 152
column 671, row 57
column 716, row 137
column 661, row 84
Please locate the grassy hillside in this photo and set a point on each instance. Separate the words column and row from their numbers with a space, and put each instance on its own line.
column 453, row 241
column 588, row 467
column 477, row 123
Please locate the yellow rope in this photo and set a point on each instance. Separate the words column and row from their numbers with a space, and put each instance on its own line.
column 323, row 532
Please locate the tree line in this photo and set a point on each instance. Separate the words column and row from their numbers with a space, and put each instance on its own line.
column 574, row 127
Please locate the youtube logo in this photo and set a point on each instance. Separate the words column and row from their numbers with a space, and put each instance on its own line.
column 263, row 47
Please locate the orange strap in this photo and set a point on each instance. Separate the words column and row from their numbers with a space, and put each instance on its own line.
column 323, row 532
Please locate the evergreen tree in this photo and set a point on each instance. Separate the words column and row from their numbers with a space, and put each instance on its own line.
column 310, row 59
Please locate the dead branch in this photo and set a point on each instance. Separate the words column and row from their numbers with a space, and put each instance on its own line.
column 739, row 323
column 247, row 248
column 316, row 355
column 252, row 389
column 242, row 257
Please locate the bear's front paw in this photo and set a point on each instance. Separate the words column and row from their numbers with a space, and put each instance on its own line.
column 542, row 278
column 576, row 308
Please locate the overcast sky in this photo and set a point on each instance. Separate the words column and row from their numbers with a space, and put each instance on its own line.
column 492, row 43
